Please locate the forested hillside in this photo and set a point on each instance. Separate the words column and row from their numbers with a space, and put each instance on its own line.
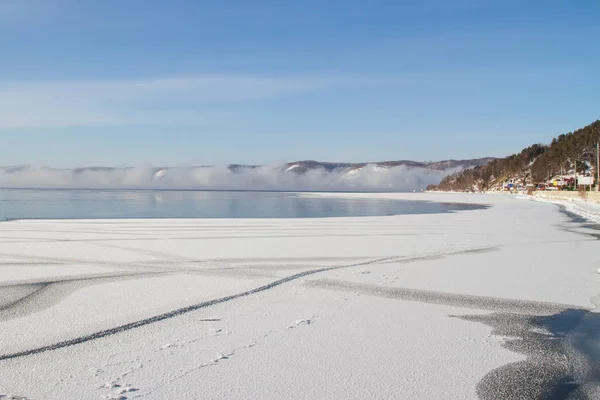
column 535, row 164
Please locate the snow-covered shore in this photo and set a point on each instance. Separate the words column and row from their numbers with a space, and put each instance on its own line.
column 589, row 210
column 452, row 306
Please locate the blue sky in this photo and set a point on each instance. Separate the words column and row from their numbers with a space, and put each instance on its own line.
column 184, row 82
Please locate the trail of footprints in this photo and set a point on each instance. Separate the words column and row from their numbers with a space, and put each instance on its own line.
column 117, row 386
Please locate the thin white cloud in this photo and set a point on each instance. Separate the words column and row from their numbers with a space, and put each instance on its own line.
column 89, row 103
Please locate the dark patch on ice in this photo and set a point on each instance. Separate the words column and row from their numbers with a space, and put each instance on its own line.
column 12, row 295
column 592, row 229
column 442, row 298
column 563, row 356
column 561, row 342
column 23, row 299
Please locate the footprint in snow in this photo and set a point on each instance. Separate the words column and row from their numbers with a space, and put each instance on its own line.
column 219, row 332
column 120, row 391
column 222, row 356
column 127, row 389
column 110, row 385
column 300, row 322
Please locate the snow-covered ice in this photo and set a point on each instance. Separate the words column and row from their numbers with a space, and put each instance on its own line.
column 455, row 306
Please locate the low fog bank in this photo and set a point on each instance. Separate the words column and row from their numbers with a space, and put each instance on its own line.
column 277, row 177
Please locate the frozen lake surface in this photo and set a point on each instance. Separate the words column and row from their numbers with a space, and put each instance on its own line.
column 493, row 303
column 84, row 204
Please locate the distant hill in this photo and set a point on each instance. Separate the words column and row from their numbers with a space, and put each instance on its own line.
column 298, row 167
column 301, row 167
column 568, row 153
column 306, row 175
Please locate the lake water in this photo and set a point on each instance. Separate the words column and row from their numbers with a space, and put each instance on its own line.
column 65, row 204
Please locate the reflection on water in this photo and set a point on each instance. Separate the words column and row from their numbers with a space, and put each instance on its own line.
column 58, row 204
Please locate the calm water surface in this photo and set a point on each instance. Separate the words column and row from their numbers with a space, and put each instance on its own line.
column 63, row 204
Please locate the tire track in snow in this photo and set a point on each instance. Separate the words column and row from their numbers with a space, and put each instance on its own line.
column 209, row 303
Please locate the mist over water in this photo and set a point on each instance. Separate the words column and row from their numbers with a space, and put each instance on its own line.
column 274, row 177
